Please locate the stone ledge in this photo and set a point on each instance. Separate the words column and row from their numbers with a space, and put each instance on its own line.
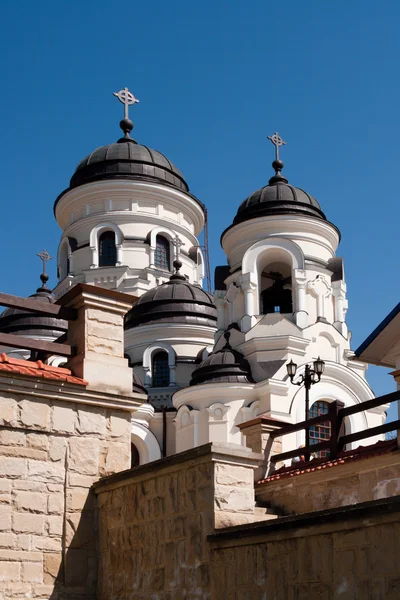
column 227, row 453
column 32, row 389
column 375, row 508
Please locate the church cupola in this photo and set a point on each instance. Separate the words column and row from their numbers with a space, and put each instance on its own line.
column 278, row 197
column 125, row 215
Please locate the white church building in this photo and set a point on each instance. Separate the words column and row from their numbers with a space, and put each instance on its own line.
column 207, row 363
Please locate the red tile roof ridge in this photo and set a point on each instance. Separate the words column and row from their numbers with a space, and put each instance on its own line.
column 37, row 369
column 362, row 452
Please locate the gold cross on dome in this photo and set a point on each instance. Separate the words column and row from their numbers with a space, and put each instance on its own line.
column 44, row 256
column 127, row 99
column 277, row 142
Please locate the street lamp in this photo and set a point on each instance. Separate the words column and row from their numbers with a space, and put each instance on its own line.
column 310, row 376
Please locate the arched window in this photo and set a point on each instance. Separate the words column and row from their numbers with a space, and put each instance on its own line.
column 64, row 266
column 276, row 296
column 107, row 249
column 162, row 253
column 135, row 457
column 322, row 431
column 160, row 371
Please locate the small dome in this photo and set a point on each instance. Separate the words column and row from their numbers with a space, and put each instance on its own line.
column 225, row 365
column 127, row 160
column 277, row 198
column 176, row 301
column 21, row 322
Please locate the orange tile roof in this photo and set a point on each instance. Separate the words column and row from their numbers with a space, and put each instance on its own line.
column 37, row 369
column 381, row 447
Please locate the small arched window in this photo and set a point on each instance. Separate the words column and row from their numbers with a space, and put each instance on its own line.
column 64, row 266
column 160, row 370
column 321, row 432
column 162, row 253
column 107, row 249
column 135, row 457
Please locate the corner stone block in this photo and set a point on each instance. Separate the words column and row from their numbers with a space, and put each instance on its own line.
column 98, row 335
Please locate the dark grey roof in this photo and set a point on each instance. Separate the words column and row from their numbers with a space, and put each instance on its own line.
column 127, row 159
column 176, row 301
column 393, row 313
column 20, row 322
column 277, row 198
column 226, row 364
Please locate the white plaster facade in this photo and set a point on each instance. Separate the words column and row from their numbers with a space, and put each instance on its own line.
column 303, row 248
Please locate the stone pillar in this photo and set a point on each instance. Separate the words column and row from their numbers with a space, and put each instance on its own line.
column 258, row 438
column 300, row 308
column 249, row 286
column 98, row 336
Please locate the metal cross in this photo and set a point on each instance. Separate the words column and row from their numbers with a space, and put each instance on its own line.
column 177, row 243
column 126, row 98
column 45, row 256
column 277, row 142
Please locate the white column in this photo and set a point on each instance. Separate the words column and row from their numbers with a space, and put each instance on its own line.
column 301, row 314
column 340, row 306
column 119, row 255
column 250, row 288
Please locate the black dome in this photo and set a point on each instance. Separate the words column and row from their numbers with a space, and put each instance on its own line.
column 226, row 364
column 176, row 301
column 127, row 160
column 20, row 322
column 277, row 198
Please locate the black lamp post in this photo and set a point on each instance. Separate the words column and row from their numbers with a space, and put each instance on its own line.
column 310, row 376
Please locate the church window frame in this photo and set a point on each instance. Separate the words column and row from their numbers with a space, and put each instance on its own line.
column 161, row 376
column 107, row 249
column 162, row 253
column 94, row 242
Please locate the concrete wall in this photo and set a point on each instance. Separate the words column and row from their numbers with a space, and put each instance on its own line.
column 51, row 451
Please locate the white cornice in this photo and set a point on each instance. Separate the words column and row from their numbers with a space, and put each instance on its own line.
column 106, row 189
column 278, row 343
column 226, row 392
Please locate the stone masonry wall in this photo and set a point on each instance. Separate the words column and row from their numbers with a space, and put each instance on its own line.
column 154, row 521
column 50, row 454
column 336, row 557
column 357, row 481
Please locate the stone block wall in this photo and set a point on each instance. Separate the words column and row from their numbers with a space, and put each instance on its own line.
column 154, row 521
column 51, row 452
column 354, row 482
column 343, row 554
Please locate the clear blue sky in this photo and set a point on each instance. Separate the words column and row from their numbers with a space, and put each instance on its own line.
column 214, row 79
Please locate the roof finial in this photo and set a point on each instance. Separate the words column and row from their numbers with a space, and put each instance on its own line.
column 177, row 264
column 127, row 99
column 44, row 256
column 277, row 165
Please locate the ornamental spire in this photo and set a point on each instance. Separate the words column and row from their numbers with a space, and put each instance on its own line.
column 277, row 165
column 127, row 99
column 44, row 256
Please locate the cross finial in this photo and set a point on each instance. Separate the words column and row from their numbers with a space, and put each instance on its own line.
column 177, row 243
column 127, row 99
column 277, row 142
column 44, row 256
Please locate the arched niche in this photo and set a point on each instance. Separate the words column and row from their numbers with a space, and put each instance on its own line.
column 94, row 240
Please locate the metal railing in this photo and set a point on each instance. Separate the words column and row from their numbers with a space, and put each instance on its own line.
column 338, row 439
